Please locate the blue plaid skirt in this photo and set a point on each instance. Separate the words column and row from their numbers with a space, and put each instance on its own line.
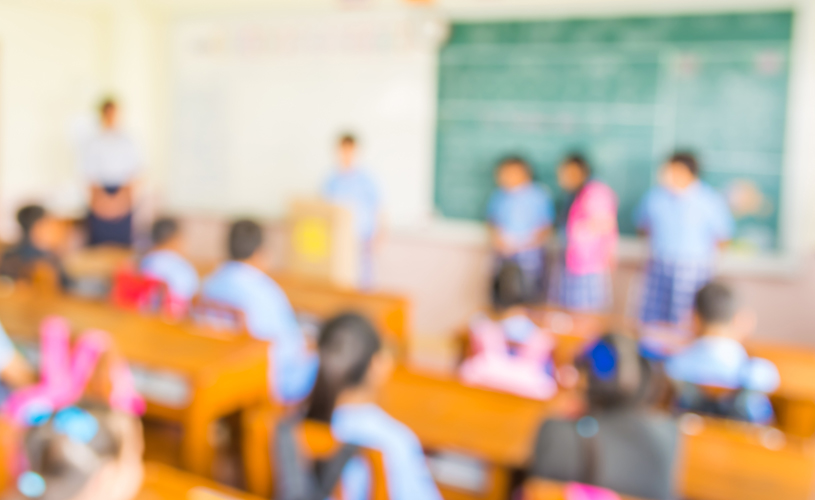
column 670, row 287
column 581, row 292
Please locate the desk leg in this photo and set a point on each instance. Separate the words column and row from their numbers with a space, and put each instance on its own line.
column 197, row 452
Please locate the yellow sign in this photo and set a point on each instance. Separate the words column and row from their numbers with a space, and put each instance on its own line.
column 311, row 239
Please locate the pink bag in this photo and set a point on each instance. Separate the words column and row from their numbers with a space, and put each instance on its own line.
column 494, row 367
column 576, row 491
column 64, row 375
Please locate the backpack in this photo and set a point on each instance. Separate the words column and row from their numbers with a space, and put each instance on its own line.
column 296, row 476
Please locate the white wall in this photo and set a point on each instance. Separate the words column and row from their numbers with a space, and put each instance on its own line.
column 50, row 70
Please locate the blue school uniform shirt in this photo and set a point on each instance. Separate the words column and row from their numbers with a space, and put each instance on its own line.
column 174, row 270
column 269, row 316
column 520, row 213
column 722, row 362
column 357, row 191
column 406, row 470
column 685, row 226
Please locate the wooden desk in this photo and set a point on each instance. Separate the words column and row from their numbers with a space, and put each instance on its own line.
column 724, row 460
column 165, row 483
column 794, row 400
column 388, row 311
column 494, row 427
column 210, row 376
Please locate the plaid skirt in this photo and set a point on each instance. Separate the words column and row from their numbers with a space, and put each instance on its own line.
column 581, row 292
column 670, row 287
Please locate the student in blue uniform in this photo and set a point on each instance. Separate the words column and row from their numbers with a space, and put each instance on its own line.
column 166, row 262
column 520, row 216
column 686, row 221
column 352, row 187
column 354, row 367
column 242, row 283
column 14, row 370
column 40, row 237
column 718, row 359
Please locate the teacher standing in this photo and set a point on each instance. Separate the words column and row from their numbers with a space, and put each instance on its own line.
column 110, row 163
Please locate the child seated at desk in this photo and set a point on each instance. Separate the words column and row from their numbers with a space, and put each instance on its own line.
column 619, row 444
column 166, row 263
column 714, row 374
column 354, row 367
column 512, row 353
column 40, row 238
column 82, row 453
column 242, row 283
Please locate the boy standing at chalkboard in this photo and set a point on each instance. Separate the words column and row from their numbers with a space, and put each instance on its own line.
column 352, row 187
column 520, row 215
column 685, row 220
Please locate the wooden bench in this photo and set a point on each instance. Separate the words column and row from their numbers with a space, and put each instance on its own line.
column 194, row 376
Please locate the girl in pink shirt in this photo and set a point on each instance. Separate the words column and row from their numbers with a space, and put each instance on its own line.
column 587, row 227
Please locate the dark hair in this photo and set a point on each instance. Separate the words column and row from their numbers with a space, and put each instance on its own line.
column 347, row 139
column 618, row 375
column 579, row 161
column 164, row 229
column 715, row 303
column 66, row 463
column 347, row 344
column 514, row 160
column 28, row 216
column 245, row 237
column 688, row 160
column 509, row 289
column 106, row 105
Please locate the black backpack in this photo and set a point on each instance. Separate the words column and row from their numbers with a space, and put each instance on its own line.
column 298, row 478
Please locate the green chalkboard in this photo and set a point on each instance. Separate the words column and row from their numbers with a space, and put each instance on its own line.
column 626, row 93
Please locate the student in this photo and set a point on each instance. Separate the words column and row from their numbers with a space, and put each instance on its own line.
column 685, row 220
column 587, row 228
column 243, row 284
column 520, row 216
column 355, row 189
column 15, row 372
column 166, row 262
column 40, row 238
column 619, row 444
column 354, row 367
column 82, row 453
column 511, row 354
column 110, row 162
column 718, row 359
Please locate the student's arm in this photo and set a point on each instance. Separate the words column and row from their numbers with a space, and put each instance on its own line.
column 497, row 241
column 17, row 372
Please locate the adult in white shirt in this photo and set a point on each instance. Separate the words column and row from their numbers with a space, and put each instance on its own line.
column 110, row 162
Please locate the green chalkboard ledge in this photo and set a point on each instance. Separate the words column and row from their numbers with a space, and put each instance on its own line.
column 633, row 252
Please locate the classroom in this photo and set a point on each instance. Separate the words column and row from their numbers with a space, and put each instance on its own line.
column 407, row 249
